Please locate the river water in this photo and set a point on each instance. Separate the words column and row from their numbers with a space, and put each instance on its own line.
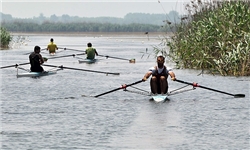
column 59, row 112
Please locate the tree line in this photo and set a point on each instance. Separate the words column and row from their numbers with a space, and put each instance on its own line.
column 79, row 27
column 132, row 22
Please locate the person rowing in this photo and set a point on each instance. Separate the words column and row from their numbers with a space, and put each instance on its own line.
column 52, row 47
column 90, row 51
column 158, row 82
column 36, row 60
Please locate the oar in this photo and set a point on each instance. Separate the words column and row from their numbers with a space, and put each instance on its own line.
column 122, row 87
column 65, row 56
column 196, row 85
column 45, row 59
column 71, row 49
column 31, row 52
column 81, row 69
column 130, row 60
column 14, row 65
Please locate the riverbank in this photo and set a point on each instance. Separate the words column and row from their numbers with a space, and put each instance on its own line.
column 91, row 33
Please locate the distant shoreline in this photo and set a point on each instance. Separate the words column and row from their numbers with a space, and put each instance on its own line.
column 97, row 34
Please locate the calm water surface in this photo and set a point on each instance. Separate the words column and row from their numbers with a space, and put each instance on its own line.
column 50, row 112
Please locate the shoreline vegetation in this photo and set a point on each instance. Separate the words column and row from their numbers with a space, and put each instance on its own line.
column 213, row 37
column 5, row 38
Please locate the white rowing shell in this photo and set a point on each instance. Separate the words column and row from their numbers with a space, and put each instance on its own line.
column 159, row 98
column 89, row 61
column 36, row 74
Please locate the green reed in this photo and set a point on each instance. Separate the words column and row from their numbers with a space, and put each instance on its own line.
column 214, row 36
column 5, row 38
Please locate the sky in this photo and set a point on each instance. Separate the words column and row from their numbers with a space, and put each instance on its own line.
column 89, row 8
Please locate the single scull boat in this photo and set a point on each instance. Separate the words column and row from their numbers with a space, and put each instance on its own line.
column 88, row 61
column 36, row 74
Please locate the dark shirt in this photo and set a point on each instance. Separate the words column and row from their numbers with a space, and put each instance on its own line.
column 35, row 62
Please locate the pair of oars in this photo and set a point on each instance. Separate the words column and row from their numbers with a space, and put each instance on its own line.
column 62, row 67
column 193, row 84
column 130, row 60
column 59, row 48
column 45, row 59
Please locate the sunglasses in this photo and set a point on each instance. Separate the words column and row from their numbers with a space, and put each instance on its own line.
column 161, row 61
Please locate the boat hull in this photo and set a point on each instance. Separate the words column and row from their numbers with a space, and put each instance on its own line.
column 159, row 98
column 88, row 61
column 36, row 74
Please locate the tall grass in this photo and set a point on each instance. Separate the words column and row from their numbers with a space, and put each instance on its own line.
column 213, row 36
column 5, row 38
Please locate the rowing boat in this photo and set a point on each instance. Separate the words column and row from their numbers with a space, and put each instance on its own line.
column 159, row 98
column 36, row 74
column 88, row 61
column 154, row 97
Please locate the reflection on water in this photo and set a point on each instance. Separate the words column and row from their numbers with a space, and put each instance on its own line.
column 50, row 112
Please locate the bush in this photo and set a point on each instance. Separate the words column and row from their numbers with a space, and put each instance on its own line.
column 214, row 36
column 5, row 38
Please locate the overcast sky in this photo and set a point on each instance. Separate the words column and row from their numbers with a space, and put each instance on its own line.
column 89, row 8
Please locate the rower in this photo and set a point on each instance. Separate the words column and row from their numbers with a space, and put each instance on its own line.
column 36, row 60
column 158, row 82
column 91, row 52
column 52, row 47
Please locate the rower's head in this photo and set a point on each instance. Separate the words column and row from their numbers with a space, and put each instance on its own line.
column 89, row 45
column 37, row 49
column 160, row 61
column 51, row 40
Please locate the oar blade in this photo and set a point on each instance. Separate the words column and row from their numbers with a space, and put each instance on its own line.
column 132, row 60
column 239, row 95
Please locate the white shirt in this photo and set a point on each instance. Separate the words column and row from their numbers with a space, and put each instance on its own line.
column 153, row 70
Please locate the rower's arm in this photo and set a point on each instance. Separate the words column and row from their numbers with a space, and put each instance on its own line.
column 172, row 75
column 41, row 59
column 147, row 75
